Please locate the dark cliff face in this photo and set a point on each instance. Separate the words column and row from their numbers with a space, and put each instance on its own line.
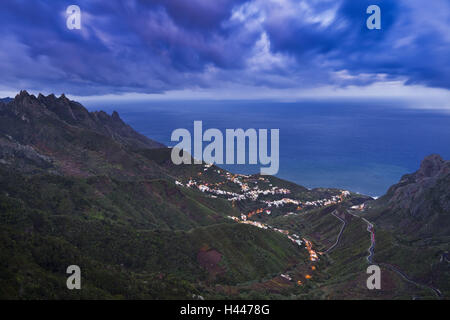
column 413, row 191
column 433, row 166
column 420, row 202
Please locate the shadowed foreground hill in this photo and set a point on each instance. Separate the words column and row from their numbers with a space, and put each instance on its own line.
column 413, row 223
column 77, row 188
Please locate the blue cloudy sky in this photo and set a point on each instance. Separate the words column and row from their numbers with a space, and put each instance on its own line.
column 283, row 49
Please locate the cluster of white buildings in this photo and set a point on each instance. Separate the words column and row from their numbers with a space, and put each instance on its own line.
column 286, row 276
column 253, row 193
column 359, row 207
column 250, row 222
column 256, row 192
column 294, row 238
column 282, row 202
column 206, row 188
column 247, row 192
column 316, row 203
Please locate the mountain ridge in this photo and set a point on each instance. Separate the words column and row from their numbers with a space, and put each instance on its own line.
column 72, row 138
column 75, row 114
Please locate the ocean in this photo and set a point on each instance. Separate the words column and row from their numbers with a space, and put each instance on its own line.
column 360, row 146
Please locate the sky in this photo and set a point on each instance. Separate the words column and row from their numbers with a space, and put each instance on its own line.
column 227, row 49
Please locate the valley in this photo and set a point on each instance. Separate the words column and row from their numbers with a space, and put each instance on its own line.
column 84, row 188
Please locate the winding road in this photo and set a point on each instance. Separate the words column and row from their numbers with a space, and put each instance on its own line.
column 371, row 249
column 405, row 277
column 340, row 233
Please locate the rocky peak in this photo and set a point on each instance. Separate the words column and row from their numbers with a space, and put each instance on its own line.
column 49, row 98
column 431, row 166
column 64, row 98
column 24, row 96
column 26, row 106
column 115, row 116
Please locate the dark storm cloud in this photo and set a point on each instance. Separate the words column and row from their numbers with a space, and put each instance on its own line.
column 153, row 46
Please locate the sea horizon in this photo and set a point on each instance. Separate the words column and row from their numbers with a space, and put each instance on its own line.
column 361, row 146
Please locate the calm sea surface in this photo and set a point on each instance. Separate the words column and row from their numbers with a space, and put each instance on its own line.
column 359, row 146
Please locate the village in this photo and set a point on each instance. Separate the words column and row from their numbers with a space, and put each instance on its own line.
column 253, row 193
column 250, row 190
